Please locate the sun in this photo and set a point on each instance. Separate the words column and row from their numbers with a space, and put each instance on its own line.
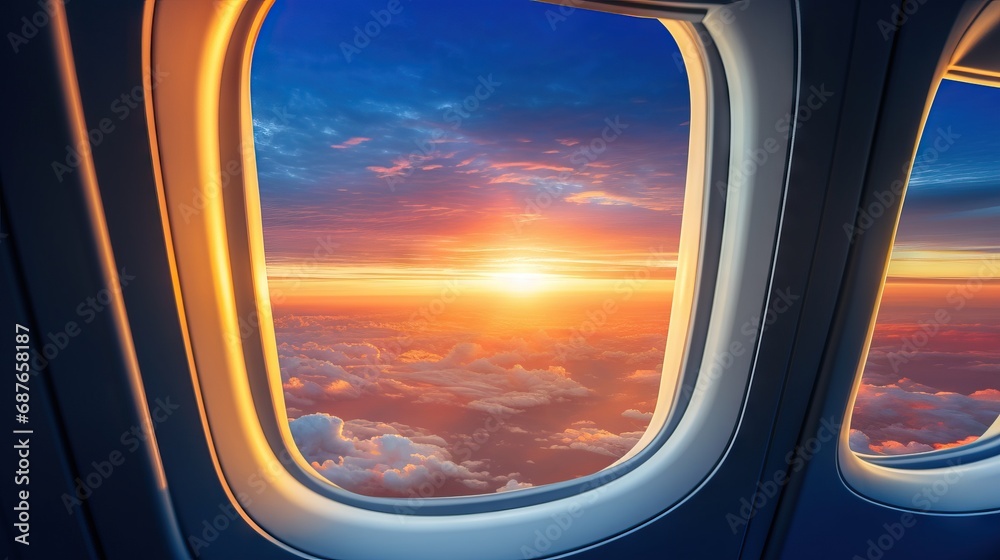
column 520, row 282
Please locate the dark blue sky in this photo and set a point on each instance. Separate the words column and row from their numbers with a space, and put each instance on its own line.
column 953, row 200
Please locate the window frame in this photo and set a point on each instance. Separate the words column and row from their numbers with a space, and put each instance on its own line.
column 968, row 471
column 742, row 75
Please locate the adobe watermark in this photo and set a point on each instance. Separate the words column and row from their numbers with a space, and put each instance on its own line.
column 624, row 290
column 365, row 34
column 780, row 302
column 756, row 158
column 232, row 169
column 922, row 501
column 549, row 193
column 866, row 217
column 795, row 461
column 33, row 24
column 958, row 298
column 899, row 14
column 213, row 527
column 87, row 311
column 122, row 107
column 457, row 113
column 543, row 539
column 454, row 114
column 250, row 324
column 718, row 18
column 495, row 420
column 131, row 440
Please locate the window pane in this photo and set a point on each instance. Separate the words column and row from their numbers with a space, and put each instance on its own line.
column 933, row 372
column 471, row 220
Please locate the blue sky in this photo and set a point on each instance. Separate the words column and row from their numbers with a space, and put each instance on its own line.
column 953, row 200
column 333, row 131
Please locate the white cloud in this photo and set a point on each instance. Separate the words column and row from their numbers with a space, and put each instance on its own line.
column 375, row 458
column 513, row 484
column 650, row 376
column 595, row 440
column 633, row 414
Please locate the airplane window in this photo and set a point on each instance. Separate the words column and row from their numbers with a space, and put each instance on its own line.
column 471, row 217
column 932, row 379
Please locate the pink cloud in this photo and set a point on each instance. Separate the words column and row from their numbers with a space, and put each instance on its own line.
column 908, row 417
column 404, row 165
column 896, row 448
column 400, row 166
column 987, row 395
column 351, row 143
column 530, row 166
column 515, row 178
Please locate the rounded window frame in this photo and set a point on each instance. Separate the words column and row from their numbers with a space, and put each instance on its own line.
column 968, row 471
column 203, row 152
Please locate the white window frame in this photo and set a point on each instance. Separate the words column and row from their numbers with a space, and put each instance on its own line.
column 212, row 212
column 960, row 480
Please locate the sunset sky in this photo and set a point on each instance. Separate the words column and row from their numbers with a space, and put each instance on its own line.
column 422, row 192
column 471, row 225
column 933, row 372
column 471, row 219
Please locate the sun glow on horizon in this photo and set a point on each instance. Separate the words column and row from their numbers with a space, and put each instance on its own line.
column 522, row 283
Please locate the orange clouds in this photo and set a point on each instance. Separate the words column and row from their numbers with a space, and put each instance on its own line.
column 595, row 440
column 530, row 166
column 497, row 403
column 649, row 376
column 513, row 178
column 633, row 414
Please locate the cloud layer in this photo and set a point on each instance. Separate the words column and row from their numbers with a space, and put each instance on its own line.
column 909, row 418
column 466, row 375
column 376, row 458
column 595, row 440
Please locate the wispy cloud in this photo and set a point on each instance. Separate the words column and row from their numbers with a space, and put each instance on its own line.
column 357, row 140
